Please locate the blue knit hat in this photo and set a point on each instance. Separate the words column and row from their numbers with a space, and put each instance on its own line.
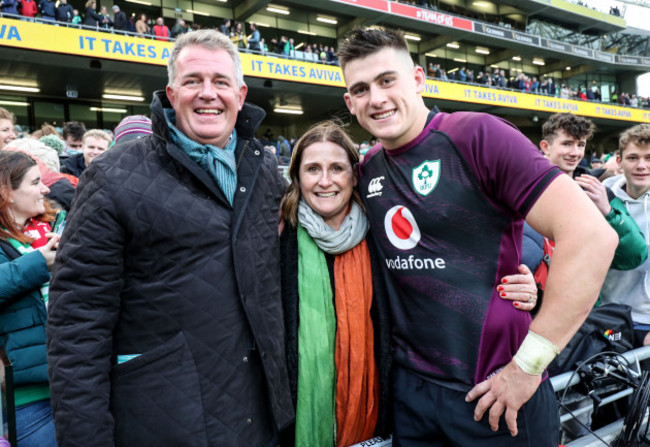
column 132, row 127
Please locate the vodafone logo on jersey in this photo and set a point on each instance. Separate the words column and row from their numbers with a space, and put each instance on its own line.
column 401, row 228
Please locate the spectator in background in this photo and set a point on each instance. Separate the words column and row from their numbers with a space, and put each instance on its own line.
column 254, row 41
column 141, row 26
column 46, row 129
column 288, row 49
column 95, row 143
column 225, row 27
column 28, row 8
column 47, row 8
column 92, row 17
column 431, row 71
column 27, row 253
column 284, row 150
column 238, row 36
column 633, row 188
column 52, row 141
column 564, row 92
column 64, row 12
column 564, row 141
column 462, row 75
column 76, row 18
column 61, row 186
column 9, row 7
column 119, row 19
column 73, row 133
column 105, row 21
column 534, row 85
column 7, row 123
column 160, row 30
column 179, row 27
column 132, row 127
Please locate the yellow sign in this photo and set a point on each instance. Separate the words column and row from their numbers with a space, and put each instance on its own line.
column 528, row 101
column 59, row 39
column 291, row 70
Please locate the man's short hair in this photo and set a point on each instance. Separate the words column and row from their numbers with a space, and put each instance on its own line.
column 362, row 42
column 573, row 125
column 211, row 40
column 74, row 129
column 639, row 135
column 97, row 134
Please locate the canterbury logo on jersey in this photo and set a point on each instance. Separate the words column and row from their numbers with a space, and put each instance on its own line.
column 375, row 187
column 403, row 232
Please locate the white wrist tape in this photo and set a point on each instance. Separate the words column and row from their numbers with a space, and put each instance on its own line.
column 535, row 354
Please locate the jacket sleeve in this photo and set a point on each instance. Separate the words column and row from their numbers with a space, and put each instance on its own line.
column 532, row 248
column 632, row 250
column 84, row 306
column 21, row 275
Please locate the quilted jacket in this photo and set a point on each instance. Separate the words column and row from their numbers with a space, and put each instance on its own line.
column 23, row 314
column 156, row 263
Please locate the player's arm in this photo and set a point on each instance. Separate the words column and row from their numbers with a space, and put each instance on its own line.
column 584, row 248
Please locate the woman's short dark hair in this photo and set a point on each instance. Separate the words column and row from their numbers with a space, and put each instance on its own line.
column 324, row 131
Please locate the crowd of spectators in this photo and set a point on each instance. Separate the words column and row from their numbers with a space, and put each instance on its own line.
column 532, row 84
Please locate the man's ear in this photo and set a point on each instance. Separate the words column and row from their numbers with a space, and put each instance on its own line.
column 543, row 145
column 243, row 90
column 170, row 94
column 420, row 78
column 348, row 102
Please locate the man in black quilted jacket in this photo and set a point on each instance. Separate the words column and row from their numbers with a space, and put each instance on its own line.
column 165, row 320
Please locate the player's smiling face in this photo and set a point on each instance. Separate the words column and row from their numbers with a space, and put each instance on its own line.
column 384, row 94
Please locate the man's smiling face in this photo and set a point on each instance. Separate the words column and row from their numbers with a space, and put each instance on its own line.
column 205, row 95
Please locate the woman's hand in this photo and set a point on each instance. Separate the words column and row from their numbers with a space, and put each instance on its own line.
column 520, row 289
column 49, row 250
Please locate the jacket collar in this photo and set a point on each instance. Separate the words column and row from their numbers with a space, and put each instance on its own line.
column 248, row 120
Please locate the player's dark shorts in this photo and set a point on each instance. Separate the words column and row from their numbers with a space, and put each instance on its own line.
column 428, row 414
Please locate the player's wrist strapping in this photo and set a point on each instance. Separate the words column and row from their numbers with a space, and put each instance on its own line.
column 535, row 354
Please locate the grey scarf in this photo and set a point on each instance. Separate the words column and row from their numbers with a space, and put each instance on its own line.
column 353, row 229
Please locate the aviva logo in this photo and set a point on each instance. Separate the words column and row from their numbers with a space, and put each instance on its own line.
column 9, row 33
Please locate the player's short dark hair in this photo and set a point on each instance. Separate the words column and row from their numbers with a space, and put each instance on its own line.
column 363, row 41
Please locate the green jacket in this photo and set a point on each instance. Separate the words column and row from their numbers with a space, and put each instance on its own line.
column 632, row 250
column 23, row 314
